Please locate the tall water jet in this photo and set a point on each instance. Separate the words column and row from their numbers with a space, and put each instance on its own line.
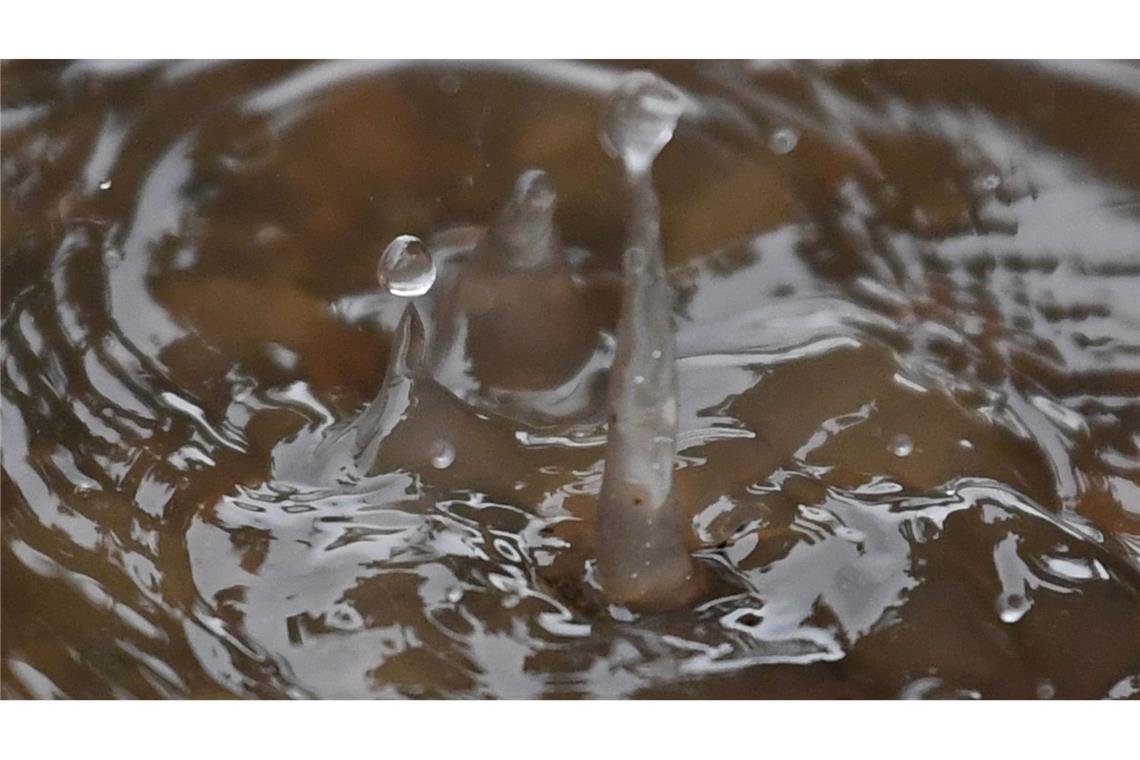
column 643, row 559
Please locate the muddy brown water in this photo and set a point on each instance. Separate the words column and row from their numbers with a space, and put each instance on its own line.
column 908, row 330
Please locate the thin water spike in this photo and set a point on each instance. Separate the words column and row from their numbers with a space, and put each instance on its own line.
column 523, row 238
column 642, row 554
column 395, row 396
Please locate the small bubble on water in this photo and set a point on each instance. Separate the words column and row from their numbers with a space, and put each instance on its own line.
column 454, row 595
column 250, row 145
column 901, row 445
column 442, row 454
column 638, row 379
column 990, row 182
column 640, row 118
column 783, row 140
column 406, row 267
column 112, row 257
column 656, row 353
column 105, row 184
column 1046, row 689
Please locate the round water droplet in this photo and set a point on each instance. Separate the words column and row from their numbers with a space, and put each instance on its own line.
column 783, row 140
column 901, row 445
column 105, row 184
column 442, row 454
column 640, row 118
column 112, row 257
column 1046, row 689
column 406, row 268
column 1012, row 607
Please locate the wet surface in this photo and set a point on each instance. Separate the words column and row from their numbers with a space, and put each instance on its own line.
column 907, row 311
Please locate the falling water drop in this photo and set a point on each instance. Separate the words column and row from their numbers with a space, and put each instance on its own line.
column 442, row 454
column 1012, row 607
column 783, row 140
column 901, row 445
column 406, row 268
column 112, row 256
column 640, row 118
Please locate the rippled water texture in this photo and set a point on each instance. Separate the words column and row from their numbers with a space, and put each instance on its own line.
column 908, row 339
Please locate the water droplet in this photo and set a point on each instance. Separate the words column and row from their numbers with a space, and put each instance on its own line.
column 990, row 182
column 638, row 379
column 406, row 268
column 105, row 185
column 1046, row 689
column 901, row 445
column 640, row 118
column 454, row 595
column 783, row 140
column 442, row 454
column 112, row 257
column 656, row 353
column 1012, row 607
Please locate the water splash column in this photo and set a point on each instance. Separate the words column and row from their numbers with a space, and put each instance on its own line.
column 643, row 559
